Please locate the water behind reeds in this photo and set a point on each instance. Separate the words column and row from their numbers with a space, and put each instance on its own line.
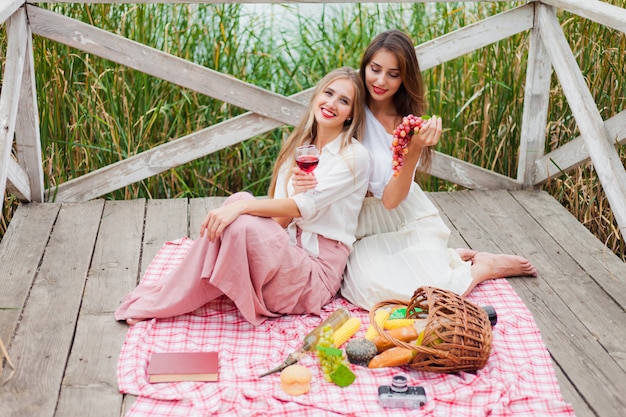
column 94, row 112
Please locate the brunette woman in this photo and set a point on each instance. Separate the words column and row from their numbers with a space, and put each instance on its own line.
column 402, row 240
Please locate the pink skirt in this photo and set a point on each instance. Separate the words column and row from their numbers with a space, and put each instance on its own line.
column 254, row 265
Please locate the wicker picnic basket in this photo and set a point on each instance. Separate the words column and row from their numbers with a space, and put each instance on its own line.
column 457, row 336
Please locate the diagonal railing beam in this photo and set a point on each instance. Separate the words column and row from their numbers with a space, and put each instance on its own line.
column 596, row 10
column 475, row 36
column 18, row 182
column 166, row 156
column 574, row 153
column 8, row 7
column 604, row 156
column 151, row 61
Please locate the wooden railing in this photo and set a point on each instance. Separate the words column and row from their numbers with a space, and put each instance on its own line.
column 21, row 170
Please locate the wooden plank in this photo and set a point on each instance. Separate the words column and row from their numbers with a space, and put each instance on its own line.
column 21, row 250
column 535, row 112
column 595, row 308
column 114, row 269
column 90, row 384
column 115, row 266
column 568, row 390
column 485, row 219
column 8, row 7
column 160, row 64
column 43, row 339
column 469, row 175
column 27, row 138
column 455, row 240
column 474, row 36
column 198, row 208
column 11, row 82
column 606, row 160
column 574, row 153
column 571, row 395
column 604, row 267
column 596, row 10
column 165, row 220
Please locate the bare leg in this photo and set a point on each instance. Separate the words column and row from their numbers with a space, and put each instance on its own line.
column 487, row 266
column 466, row 254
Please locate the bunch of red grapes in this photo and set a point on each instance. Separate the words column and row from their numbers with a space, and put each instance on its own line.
column 410, row 125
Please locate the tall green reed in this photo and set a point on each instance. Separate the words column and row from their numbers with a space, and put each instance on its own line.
column 94, row 112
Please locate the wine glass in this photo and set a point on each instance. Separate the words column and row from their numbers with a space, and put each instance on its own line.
column 307, row 157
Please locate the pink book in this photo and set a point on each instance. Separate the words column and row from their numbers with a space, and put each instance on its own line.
column 183, row 366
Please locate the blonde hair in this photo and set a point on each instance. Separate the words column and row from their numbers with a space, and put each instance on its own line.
column 305, row 132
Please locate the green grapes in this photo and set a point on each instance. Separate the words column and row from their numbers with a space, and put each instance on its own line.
column 332, row 360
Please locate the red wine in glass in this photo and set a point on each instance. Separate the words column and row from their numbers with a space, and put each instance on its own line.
column 307, row 157
column 307, row 163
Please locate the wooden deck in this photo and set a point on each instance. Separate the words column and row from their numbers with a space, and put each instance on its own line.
column 65, row 268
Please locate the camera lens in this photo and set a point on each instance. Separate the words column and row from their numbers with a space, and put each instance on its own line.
column 399, row 383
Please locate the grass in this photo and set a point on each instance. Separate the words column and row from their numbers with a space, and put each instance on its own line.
column 94, row 112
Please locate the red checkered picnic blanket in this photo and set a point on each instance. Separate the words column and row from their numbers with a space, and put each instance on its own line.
column 518, row 379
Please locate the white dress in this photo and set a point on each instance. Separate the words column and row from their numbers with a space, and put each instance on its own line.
column 398, row 250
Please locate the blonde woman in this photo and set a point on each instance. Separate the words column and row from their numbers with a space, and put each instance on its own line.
column 286, row 254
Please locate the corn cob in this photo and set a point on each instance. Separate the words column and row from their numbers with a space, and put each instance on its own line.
column 380, row 318
column 394, row 324
column 346, row 331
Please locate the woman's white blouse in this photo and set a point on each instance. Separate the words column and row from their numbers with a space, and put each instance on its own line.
column 378, row 143
column 332, row 208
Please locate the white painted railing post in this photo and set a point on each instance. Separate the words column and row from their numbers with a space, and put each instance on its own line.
column 535, row 113
column 27, row 134
column 11, row 82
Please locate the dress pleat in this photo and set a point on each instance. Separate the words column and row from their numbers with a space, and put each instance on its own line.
column 400, row 250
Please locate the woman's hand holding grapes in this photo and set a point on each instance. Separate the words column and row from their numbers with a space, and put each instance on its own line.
column 428, row 135
column 411, row 136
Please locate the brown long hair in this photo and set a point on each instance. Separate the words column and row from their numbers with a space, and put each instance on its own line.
column 409, row 99
column 305, row 132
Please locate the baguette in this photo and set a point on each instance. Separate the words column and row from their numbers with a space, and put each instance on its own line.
column 403, row 334
column 396, row 356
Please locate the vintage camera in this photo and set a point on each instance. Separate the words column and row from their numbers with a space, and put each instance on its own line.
column 400, row 395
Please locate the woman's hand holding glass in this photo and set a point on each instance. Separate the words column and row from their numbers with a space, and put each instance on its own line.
column 302, row 181
column 303, row 178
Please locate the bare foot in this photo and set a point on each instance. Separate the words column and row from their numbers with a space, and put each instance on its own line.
column 500, row 266
column 487, row 266
column 132, row 322
column 466, row 254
